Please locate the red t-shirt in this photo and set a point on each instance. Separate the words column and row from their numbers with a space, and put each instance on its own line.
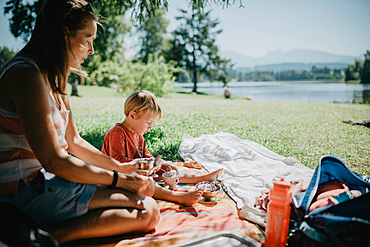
column 124, row 145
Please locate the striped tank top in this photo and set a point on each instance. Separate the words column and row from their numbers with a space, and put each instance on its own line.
column 17, row 161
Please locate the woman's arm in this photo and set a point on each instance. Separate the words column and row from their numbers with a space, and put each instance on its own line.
column 87, row 152
column 26, row 87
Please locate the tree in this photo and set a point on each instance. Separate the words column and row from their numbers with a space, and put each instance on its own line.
column 5, row 55
column 108, row 43
column 152, row 36
column 352, row 72
column 193, row 46
column 365, row 70
column 24, row 15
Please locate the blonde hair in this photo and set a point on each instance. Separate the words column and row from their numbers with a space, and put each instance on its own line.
column 142, row 102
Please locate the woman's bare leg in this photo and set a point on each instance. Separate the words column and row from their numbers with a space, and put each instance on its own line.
column 111, row 212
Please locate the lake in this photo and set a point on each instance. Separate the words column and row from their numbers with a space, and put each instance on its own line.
column 288, row 91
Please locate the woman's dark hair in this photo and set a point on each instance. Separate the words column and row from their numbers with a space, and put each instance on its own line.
column 57, row 21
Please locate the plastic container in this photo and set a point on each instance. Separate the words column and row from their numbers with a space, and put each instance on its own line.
column 278, row 214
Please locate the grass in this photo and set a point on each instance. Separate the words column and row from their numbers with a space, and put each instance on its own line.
column 305, row 131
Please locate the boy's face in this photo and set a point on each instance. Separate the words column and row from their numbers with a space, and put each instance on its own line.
column 142, row 124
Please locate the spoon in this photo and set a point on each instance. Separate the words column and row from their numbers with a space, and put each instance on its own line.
column 155, row 168
column 214, row 182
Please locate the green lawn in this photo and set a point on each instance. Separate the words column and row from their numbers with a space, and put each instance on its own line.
column 305, row 131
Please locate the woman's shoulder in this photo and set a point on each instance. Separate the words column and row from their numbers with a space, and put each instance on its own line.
column 20, row 80
column 20, row 66
column 21, row 73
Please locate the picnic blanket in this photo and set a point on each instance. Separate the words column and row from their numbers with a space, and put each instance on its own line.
column 179, row 224
column 249, row 168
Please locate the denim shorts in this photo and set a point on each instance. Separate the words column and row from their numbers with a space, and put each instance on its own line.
column 52, row 199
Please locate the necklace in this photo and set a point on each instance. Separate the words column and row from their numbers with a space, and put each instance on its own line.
column 139, row 150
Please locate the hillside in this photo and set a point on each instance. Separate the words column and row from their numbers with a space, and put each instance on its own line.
column 290, row 60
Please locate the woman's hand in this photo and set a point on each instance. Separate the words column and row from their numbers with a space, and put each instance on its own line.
column 137, row 182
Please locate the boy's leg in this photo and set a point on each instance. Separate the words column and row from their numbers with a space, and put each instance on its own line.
column 187, row 178
column 186, row 198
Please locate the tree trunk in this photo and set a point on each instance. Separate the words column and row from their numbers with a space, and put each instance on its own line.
column 195, row 79
column 74, row 83
column 74, row 88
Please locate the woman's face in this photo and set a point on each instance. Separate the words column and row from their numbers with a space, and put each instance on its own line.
column 81, row 45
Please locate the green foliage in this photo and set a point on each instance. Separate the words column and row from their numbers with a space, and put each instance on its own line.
column 353, row 71
column 109, row 45
column 107, row 73
column 313, row 74
column 156, row 76
column 365, row 71
column 109, row 41
column 5, row 55
column 193, row 47
column 24, row 14
column 152, row 36
column 158, row 142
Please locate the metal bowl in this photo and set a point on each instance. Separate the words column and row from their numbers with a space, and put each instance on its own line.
column 144, row 160
column 210, row 189
column 171, row 178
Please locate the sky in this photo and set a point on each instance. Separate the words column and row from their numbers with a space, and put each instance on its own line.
column 340, row 27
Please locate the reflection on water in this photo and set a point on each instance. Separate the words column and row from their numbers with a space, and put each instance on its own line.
column 308, row 91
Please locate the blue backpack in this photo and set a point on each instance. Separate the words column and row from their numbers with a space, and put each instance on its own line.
column 344, row 224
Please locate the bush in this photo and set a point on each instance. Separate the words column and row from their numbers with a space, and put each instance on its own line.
column 156, row 76
column 5, row 55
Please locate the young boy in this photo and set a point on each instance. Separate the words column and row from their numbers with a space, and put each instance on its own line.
column 125, row 142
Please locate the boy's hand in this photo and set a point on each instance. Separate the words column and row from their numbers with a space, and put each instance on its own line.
column 129, row 166
column 145, row 165
column 166, row 166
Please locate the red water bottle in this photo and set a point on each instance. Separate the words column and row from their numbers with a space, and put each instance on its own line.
column 278, row 214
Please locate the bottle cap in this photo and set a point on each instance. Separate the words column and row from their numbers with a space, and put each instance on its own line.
column 281, row 184
column 281, row 191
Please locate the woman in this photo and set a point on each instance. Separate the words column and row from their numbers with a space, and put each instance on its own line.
column 80, row 195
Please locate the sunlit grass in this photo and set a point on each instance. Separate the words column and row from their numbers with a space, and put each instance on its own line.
column 305, row 131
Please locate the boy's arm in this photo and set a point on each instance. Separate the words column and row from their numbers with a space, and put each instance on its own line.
column 115, row 146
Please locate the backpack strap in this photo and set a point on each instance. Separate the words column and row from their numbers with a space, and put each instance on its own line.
column 312, row 232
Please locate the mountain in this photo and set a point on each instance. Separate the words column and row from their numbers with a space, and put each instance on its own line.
column 289, row 57
column 297, row 66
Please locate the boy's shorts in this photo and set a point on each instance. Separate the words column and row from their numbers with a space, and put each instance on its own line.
column 52, row 199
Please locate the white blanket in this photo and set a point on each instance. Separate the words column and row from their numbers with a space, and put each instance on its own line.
column 249, row 168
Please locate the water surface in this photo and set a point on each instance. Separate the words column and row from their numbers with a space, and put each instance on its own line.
column 288, row 91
